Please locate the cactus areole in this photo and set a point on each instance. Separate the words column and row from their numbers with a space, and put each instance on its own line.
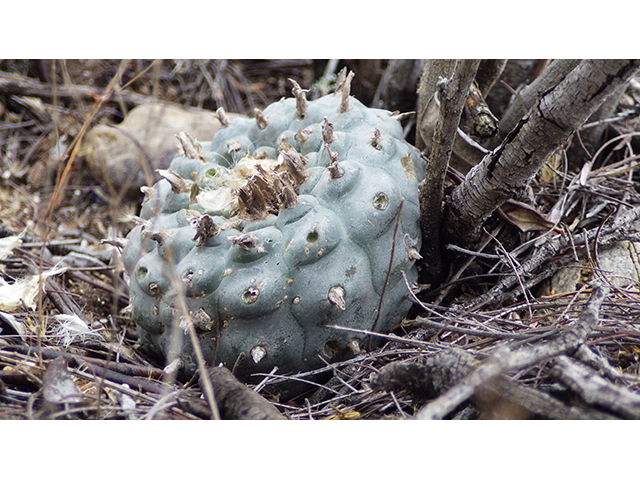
column 281, row 227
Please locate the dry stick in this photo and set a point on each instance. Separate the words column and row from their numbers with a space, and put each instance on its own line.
column 504, row 360
column 593, row 236
column 508, row 169
column 537, row 402
column 618, row 229
column 75, row 360
column 62, row 182
column 452, row 99
column 450, row 282
column 390, row 267
column 390, row 338
column 336, row 375
column 109, row 92
column 425, row 322
column 628, row 136
column 204, row 378
column 19, row 85
column 76, row 273
column 63, row 179
column 553, row 74
column 432, row 70
column 596, row 390
column 494, row 333
column 237, row 402
column 591, row 359
column 186, row 323
column 514, row 266
column 166, row 401
column 97, row 370
column 62, row 300
column 277, row 379
column 299, row 378
column 437, row 373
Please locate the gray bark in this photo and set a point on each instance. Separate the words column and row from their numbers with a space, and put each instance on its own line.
column 237, row 402
column 595, row 389
column 477, row 126
column 552, row 76
column 516, row 75
column 434, row 375
column 590, row 138
column 505, row 360
column 426, row 89
column 452, row 97
column 506, row 172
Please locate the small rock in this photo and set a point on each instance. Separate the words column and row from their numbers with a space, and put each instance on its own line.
column 125, row 157
column 620, row 265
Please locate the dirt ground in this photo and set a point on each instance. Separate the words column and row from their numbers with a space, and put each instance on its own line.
column 69, row 349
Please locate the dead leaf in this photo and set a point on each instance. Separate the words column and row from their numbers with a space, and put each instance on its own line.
column 525, row 217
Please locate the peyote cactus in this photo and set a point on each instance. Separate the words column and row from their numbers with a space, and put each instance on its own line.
column 303, row 218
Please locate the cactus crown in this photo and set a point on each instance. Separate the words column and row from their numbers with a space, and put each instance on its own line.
column 278, row 229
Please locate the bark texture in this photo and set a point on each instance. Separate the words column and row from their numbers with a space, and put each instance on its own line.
column 499, row 397
column 236, row 401
column 505, row 173
column 426, row 89
column 452, row 97
column 505, row 360
column 552, row 75
column 516, row 75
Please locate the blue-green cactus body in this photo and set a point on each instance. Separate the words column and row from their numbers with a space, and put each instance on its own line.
column 264, row 289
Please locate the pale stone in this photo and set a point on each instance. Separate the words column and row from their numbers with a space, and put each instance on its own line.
column 125, row 157
column 619, row 264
